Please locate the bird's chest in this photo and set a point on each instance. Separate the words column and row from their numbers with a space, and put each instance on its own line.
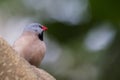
column 34, row 46
column 31, row 48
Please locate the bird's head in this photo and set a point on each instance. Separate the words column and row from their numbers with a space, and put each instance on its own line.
column 37, row 29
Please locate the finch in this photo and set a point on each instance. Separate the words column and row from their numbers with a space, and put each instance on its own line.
column 30, row 44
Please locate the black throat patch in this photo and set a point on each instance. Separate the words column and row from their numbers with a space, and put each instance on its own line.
column 41, row 36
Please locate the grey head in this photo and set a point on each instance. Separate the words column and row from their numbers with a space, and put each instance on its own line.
column 36, row 28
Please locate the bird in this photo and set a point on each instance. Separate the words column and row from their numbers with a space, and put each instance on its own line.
column 30, row 45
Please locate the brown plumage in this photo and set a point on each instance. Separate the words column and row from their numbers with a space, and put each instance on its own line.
column 30, row 44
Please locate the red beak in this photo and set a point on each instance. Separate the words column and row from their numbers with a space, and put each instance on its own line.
column 44, row 28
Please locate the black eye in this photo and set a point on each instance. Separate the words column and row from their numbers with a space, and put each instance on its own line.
column 36, row 30
column 34, row 26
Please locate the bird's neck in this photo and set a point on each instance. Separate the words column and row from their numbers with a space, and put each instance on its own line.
column 33, row 34
column 29, row 34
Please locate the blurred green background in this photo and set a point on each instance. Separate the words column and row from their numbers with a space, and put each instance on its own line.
column 83, row 37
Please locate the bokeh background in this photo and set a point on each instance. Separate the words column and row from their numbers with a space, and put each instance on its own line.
column 83, row 39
